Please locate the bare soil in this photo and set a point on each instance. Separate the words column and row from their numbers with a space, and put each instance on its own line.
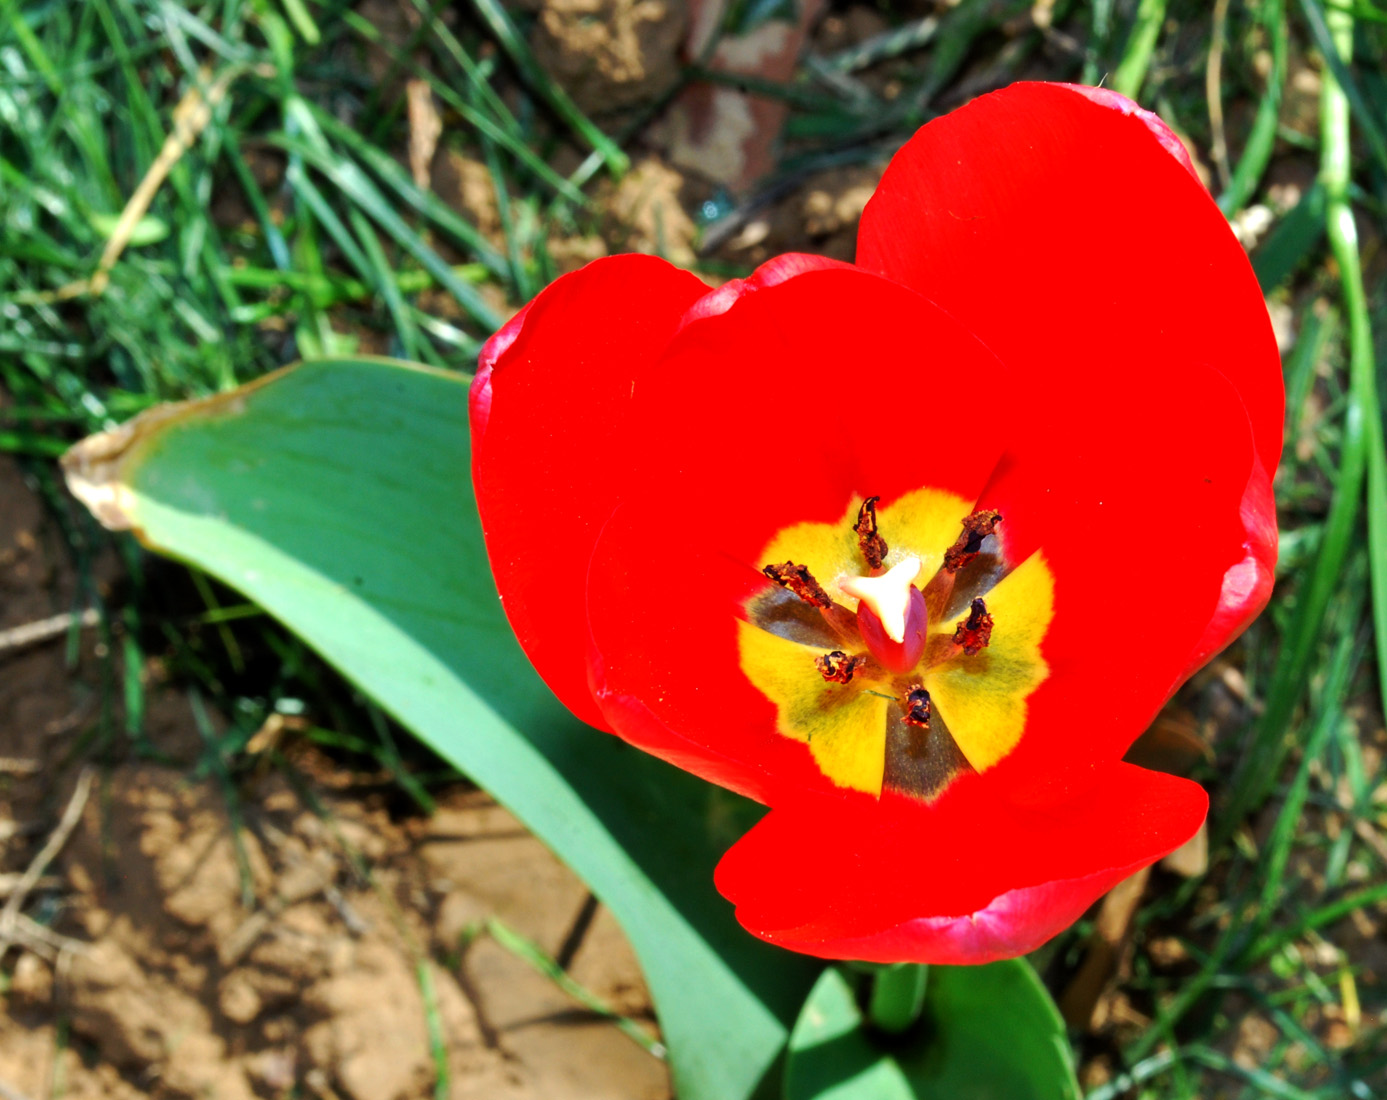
column 284, row 953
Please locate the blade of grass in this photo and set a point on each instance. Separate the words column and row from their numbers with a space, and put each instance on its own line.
column 1361, row 447
column 398, row 180
column 1130, row 73
column 533, row 954
column 504, row 132
column 1296, row 237
column 313, row 332
column 14, row 21
column 884, row 46
column 317, row 204
column 477, row 79
column 433, row 1020
column 354, row 183
column 1262, row 137
column 388, row 753
column 1266, row 1084
column 1327, row 29
column 1099, row 25
column 302, row 21
column 1315, row 332
column 1343, row 243
column 510, row 39
column 1277, row 852
column 274, row 239
column 520, row 277
column 384, row 116
column 410, row 342
column 1273, row 942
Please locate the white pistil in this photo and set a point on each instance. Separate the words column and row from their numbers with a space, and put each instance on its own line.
column 887, row 595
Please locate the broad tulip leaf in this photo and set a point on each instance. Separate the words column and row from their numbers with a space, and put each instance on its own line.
column 987, row 1033
column 337, row 496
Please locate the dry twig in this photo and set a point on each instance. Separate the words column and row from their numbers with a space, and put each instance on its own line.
column 1213, row 90
column 27, row 634
column 15, row 927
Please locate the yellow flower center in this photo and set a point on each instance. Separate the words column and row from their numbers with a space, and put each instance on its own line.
column 962, row 704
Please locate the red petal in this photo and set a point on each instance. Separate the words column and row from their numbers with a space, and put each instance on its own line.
column 1115, row 101
column 1131, row 485
column 1056, row 224
column 547, row 402
column 774, row 412
column 664, row 665
column 773, row 272
column 780, row 408
column 1247, row 584
column 968, row 879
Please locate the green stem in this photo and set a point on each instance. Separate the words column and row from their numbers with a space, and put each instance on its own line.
column 1363, row 398
column 1136, row 58
column 1262, row 137
column 898, row 996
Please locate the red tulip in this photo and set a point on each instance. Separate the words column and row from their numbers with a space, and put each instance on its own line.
column 910, row 551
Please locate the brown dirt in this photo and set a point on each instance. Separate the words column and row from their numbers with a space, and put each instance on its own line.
column 609, row 54
column 281, row 957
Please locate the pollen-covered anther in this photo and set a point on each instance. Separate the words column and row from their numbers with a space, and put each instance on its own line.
column 873, row 546
column 916, row 705
column 974, row 634
column 968, row 545
column 838, row 667
column 801, row 582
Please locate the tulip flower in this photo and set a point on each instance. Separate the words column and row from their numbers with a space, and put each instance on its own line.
column 911, row 550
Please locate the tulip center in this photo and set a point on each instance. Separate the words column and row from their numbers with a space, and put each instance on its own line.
column 899, row 645
column 891, row 614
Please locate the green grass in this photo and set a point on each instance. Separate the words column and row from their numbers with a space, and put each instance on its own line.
column 289, row 227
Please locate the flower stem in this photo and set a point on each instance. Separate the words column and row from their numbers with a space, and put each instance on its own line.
column 898, row 996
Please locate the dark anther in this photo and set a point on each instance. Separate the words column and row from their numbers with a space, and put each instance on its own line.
column 837, row 667
column 801, row 582
column 873, row 545
column 917, row 707
column 974, row 633
column 965, row 548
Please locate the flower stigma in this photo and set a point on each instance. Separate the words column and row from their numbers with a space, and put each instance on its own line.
column 887, row 595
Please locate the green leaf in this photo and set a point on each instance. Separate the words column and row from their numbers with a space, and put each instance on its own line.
column 987, row 1033
column 336, row 495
